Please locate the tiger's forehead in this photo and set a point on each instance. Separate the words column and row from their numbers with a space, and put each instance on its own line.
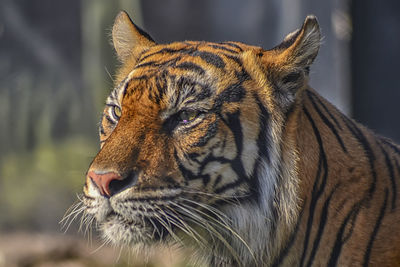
column 193, row 70
column 197, row 57
column 193, row 57
column 208, row 51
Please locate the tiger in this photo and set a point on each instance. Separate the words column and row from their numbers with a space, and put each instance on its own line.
column 224, row 149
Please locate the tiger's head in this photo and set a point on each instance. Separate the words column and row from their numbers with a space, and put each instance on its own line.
column 195, row 141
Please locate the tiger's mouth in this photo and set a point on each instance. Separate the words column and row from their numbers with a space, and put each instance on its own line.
column 132, row 221
column 132, row 231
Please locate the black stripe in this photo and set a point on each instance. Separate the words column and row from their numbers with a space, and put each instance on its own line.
column 389, row 165
column 232, row 45
column 352, row 221
column 390, row 144
column 125, row 87
column 156, row 64
column 396, row 150
column 217, row 181
column 317, row 189
column 190, row 66
column 101, row 128
column 193, row 157
column 122, row 82
column 357, row 133
column 162, row 84
column 233, row 93
column 109, row 119
column 221, row 47
column 210, row 58
column 156, row 95
column 321, row 226
column 378, row 223
column 262, row 140
column 263, row 144
column 233, row 122
column 147, row 64
column 325, row 108
column 337, row 247
column 167, row 51
column 327, row 122
column 186, row 173
column 110, row 105
column 211, row 158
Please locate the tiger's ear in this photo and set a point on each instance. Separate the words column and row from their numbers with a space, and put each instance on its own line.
column 300, row 47
column 129, row 39
column 287, row 65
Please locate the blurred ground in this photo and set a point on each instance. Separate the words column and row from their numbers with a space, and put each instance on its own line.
column 25, row 249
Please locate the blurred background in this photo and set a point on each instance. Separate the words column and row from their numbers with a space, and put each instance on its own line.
column 56, row 69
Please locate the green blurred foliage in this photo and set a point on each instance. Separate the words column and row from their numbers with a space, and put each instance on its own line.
column 38, row 186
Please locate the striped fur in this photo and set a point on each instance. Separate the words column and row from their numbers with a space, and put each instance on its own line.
column 224, row 149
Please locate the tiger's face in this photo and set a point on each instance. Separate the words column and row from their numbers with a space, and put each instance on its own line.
column 186, row 135
column 174, row 131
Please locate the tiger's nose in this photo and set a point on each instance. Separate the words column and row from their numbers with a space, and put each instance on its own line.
column 103, row 180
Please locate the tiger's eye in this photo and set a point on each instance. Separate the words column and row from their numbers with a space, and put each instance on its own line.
column 117, row 111
column 187, row 116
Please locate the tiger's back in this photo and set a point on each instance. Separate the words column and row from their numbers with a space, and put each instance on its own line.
column 224, row 148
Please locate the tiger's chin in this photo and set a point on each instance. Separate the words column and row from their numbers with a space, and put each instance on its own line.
column 132, row 232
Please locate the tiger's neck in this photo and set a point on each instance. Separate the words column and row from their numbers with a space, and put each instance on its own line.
column 341, row 186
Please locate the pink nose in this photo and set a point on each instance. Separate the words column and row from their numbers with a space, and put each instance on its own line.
column 103, row 181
